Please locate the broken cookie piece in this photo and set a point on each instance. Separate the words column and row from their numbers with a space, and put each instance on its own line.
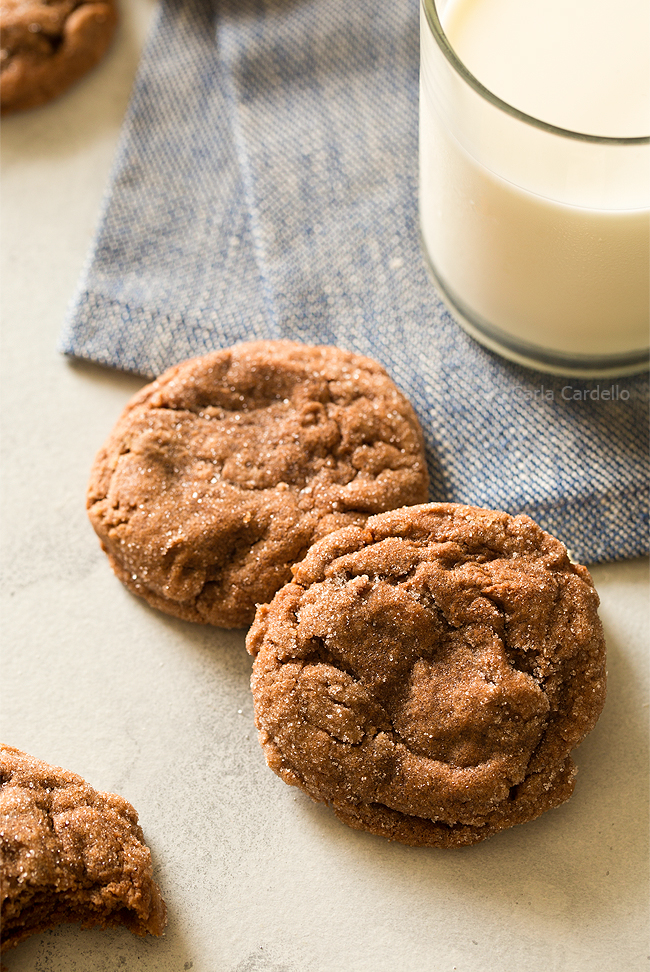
column 70, row 854
column 429, row 674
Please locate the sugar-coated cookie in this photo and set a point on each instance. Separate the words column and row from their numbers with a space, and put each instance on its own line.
column 48, row 45
column 221, row 474
column 429, row 674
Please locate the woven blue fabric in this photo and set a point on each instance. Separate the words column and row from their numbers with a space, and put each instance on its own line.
column 265, row 186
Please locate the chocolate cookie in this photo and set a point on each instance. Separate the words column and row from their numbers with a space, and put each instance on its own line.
column 47, row 45
column 220, row 475
column 428, row 675
column 69, row 854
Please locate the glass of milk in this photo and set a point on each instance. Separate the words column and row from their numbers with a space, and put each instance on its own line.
column 535, row 177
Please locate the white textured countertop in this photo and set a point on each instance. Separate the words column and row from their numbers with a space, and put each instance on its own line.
column 256, row 877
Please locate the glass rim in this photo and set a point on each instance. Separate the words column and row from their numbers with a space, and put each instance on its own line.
column 431, row 13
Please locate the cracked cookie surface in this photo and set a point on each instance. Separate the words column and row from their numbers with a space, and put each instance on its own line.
column 48, row 45
column 428, row 675
column 70, row 854
column 221, row 474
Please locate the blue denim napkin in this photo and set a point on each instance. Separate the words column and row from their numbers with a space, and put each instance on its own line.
column 265, row 186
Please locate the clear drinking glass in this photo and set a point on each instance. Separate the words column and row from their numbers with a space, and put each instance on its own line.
column 537, row 237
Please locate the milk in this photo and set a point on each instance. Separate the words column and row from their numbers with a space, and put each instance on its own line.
column 583, row 65
column 539, row 240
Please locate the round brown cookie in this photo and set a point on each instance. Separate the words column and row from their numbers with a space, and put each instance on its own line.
column 222, row 473
column 428, row 675
column 69, row 853
column 47, row 45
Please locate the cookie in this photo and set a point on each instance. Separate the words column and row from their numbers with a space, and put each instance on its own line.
column 70, row 853
column 222, row 473
column 48, row 45
column 428, row 675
